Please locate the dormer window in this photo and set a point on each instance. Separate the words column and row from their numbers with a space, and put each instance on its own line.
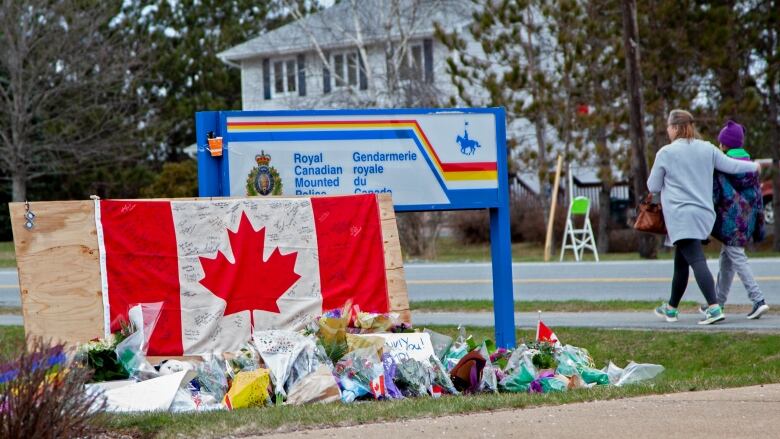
column 284, row 77
column 412, row 67
column 345, row 68
column 347, row 71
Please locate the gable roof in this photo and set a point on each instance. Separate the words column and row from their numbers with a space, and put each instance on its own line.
column 335, row 26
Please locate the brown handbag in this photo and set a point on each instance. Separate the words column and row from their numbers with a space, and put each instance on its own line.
column 650, row 217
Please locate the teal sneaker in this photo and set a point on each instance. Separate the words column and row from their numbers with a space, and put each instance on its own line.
column 712, row 315
column 703, row 309
column 666, row 312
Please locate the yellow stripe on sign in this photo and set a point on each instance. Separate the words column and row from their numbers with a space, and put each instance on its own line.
column 470, row 175
column 586, row 280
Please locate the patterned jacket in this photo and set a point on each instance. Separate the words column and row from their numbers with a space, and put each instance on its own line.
column 738, row 206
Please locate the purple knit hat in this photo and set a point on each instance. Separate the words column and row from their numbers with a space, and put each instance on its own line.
column 732, row 135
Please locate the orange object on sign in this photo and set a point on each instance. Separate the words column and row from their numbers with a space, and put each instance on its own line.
column 215, row 146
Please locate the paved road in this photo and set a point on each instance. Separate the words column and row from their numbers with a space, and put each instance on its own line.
column 11, row 320
column 747, row 412
column 630, row 280
column 9, row 288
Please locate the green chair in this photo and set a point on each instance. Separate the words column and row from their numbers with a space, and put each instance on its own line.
column 579, row 240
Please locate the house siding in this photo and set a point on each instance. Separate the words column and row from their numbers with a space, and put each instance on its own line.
column 252, row 91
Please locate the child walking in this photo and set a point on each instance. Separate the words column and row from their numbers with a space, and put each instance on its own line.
column 738, row 209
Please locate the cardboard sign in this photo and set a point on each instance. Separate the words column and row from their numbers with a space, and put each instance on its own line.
column 413, row 345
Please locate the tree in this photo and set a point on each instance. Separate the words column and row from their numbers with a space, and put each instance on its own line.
column 185, row 74
column 599, row 86
column 177, row 180
column 673, row 73
column 67, row 87
column 764, row 17
column 639, row 172
column 508, row 71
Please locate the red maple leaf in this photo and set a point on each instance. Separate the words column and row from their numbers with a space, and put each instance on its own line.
column 250, row 283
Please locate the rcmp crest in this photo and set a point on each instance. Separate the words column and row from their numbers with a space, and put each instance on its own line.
column 264, row 179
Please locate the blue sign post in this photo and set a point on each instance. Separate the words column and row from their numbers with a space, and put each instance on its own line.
column 429, row 159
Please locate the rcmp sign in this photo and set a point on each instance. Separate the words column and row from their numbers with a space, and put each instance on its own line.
column 424, row 160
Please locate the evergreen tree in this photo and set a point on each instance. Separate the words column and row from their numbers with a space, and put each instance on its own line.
column 185, row 75
column 510, row 70
column 764, row 21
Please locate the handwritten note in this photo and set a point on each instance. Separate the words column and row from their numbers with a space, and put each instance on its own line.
column 415, row 345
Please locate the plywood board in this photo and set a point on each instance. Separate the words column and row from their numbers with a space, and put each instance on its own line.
column 397, row 292
column 59, row 269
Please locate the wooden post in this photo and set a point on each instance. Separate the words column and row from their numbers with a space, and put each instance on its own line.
column 553, row 204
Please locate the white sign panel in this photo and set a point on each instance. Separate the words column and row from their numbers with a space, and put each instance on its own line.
column 422, row 159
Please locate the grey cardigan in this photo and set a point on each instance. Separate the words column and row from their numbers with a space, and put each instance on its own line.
column 682, row 173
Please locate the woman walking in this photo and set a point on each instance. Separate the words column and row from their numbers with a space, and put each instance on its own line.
column 683, row 173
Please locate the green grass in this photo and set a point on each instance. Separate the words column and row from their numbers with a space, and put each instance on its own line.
column 450, row 250
column 693, row 361
column 10, row 310
column 7, row 254
column 11, row 341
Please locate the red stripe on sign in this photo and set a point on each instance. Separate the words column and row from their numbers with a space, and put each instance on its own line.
column 142, row 267
column 476, row 166
column 352, row 262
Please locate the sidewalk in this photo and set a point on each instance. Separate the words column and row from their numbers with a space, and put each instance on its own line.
column 729, row 413
column 607, row 320
column 623, row 320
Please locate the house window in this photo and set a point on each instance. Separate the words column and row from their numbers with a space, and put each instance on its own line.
column 346, row 69
column 338, row 69
column 412, row 65
column 352, row 68
column 290, row 75
column 285, row 76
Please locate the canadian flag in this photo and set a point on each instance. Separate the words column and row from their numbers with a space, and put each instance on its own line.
column 222, row 268
column 543, row 333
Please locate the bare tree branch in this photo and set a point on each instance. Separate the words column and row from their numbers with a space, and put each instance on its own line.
column 66, row 80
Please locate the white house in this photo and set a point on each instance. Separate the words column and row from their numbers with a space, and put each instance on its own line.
column 374, row 53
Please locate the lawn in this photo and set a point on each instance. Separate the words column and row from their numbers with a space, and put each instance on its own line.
column 450, row 250
column 7, row 254
column 693, row 361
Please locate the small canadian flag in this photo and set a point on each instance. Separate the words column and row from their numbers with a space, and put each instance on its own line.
column 378, row 387
column 543, row 333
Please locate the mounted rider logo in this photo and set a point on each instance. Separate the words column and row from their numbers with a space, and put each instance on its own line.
column 467, row 146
